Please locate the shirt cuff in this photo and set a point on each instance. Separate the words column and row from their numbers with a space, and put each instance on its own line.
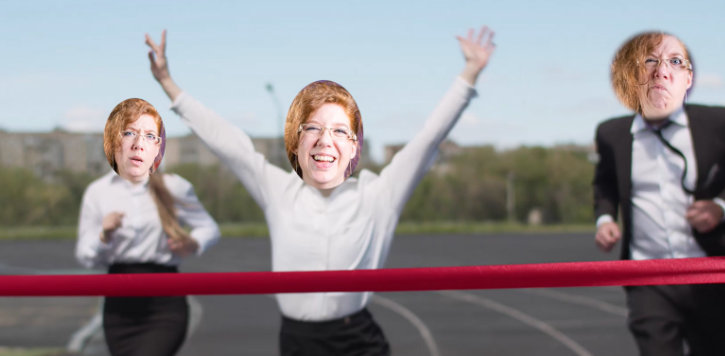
column 603, row 219
column 721, row 203
column 471, row 91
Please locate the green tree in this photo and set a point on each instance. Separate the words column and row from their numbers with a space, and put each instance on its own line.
column 221, row 193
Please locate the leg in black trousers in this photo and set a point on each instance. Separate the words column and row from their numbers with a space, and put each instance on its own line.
column 706, row 331
column 663, row 319
column 656, row 319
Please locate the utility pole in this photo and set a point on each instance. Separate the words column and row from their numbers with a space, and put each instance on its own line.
column 510, row 198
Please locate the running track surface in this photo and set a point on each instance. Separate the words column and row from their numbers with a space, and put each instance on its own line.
column 565, row 321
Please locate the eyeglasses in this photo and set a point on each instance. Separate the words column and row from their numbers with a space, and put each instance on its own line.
column 338, row 133
column 675, row 63
column 129, row 135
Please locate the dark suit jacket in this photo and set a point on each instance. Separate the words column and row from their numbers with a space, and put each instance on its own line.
column 612, row 176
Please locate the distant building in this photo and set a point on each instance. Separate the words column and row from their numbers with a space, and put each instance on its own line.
column 190, row 149
column 46, row 153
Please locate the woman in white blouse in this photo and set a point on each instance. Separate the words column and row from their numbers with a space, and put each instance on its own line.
column 130, row 222
column 319, row 217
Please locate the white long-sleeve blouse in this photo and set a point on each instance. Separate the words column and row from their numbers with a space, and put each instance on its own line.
column 352, row 228
column 140, row 238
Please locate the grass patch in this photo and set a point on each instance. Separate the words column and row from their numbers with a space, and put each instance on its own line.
column 259, row 229
column 244, row 229
column 471, row 227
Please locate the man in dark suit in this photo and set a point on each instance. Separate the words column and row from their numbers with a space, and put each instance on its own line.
column 664, row 167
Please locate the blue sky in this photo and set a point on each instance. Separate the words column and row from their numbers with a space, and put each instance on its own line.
column 68, row 63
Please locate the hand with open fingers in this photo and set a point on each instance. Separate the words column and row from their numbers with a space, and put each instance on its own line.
column 111, row 222
column 477, row 48
column 704, row 215
column 607, row 236
column 157, row 57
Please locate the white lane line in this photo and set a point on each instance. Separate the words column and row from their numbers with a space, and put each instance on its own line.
column 581, row 300
column 413, row 319
column 81, row 337
column 196, row 313
column 520, row 316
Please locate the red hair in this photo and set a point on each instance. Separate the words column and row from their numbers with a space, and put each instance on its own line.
column 311, row 98
column 125, row 113
column 628, row 72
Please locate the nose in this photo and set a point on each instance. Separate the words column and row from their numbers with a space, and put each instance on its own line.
column 136, row 143
column 662, row 70
column 325, row 137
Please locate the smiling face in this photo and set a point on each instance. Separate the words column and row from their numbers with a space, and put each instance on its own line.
column 665, row 86
column 136, row 151
column 324, row 157
column 323, row 134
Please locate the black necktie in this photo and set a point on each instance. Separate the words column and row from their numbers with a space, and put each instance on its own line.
column 658, row 133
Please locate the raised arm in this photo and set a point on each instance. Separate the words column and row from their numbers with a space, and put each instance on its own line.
column 231, row 144
column 160, row 66
column 400, row 177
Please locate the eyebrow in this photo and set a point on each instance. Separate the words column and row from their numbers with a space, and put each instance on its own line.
column 144, row 131
column 334, row 125
column 670, row 55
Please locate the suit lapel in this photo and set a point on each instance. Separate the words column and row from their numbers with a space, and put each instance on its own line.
column 700, row 141
column 623, row 153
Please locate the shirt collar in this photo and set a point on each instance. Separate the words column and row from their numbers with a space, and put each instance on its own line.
column 116, row 179
column 678, row 118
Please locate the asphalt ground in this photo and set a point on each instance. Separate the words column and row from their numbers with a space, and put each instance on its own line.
column 541, row 321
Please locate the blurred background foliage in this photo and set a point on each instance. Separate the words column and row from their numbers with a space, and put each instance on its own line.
column 526, row 185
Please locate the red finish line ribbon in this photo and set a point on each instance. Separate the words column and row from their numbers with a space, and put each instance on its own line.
column 552, row 275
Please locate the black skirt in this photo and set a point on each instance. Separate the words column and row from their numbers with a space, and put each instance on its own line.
column 135, row 326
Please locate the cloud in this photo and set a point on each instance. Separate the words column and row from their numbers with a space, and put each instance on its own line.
column 474, row 130
column 84, row 119
column 469, row 119
column 709, row 81
column 603, row 105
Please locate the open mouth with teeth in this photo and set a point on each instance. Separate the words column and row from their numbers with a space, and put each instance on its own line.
column 323, row 158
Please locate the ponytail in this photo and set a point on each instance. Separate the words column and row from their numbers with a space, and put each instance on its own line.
column 165, row 206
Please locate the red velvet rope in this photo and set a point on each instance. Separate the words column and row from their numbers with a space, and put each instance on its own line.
column 552, row 275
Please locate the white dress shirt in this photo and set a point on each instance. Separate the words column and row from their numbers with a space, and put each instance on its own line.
column 659, row 204
column 352, row 228
column 140, row 238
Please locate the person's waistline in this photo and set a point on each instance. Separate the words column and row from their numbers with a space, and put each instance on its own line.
column 142, row 267
column 356, row 316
